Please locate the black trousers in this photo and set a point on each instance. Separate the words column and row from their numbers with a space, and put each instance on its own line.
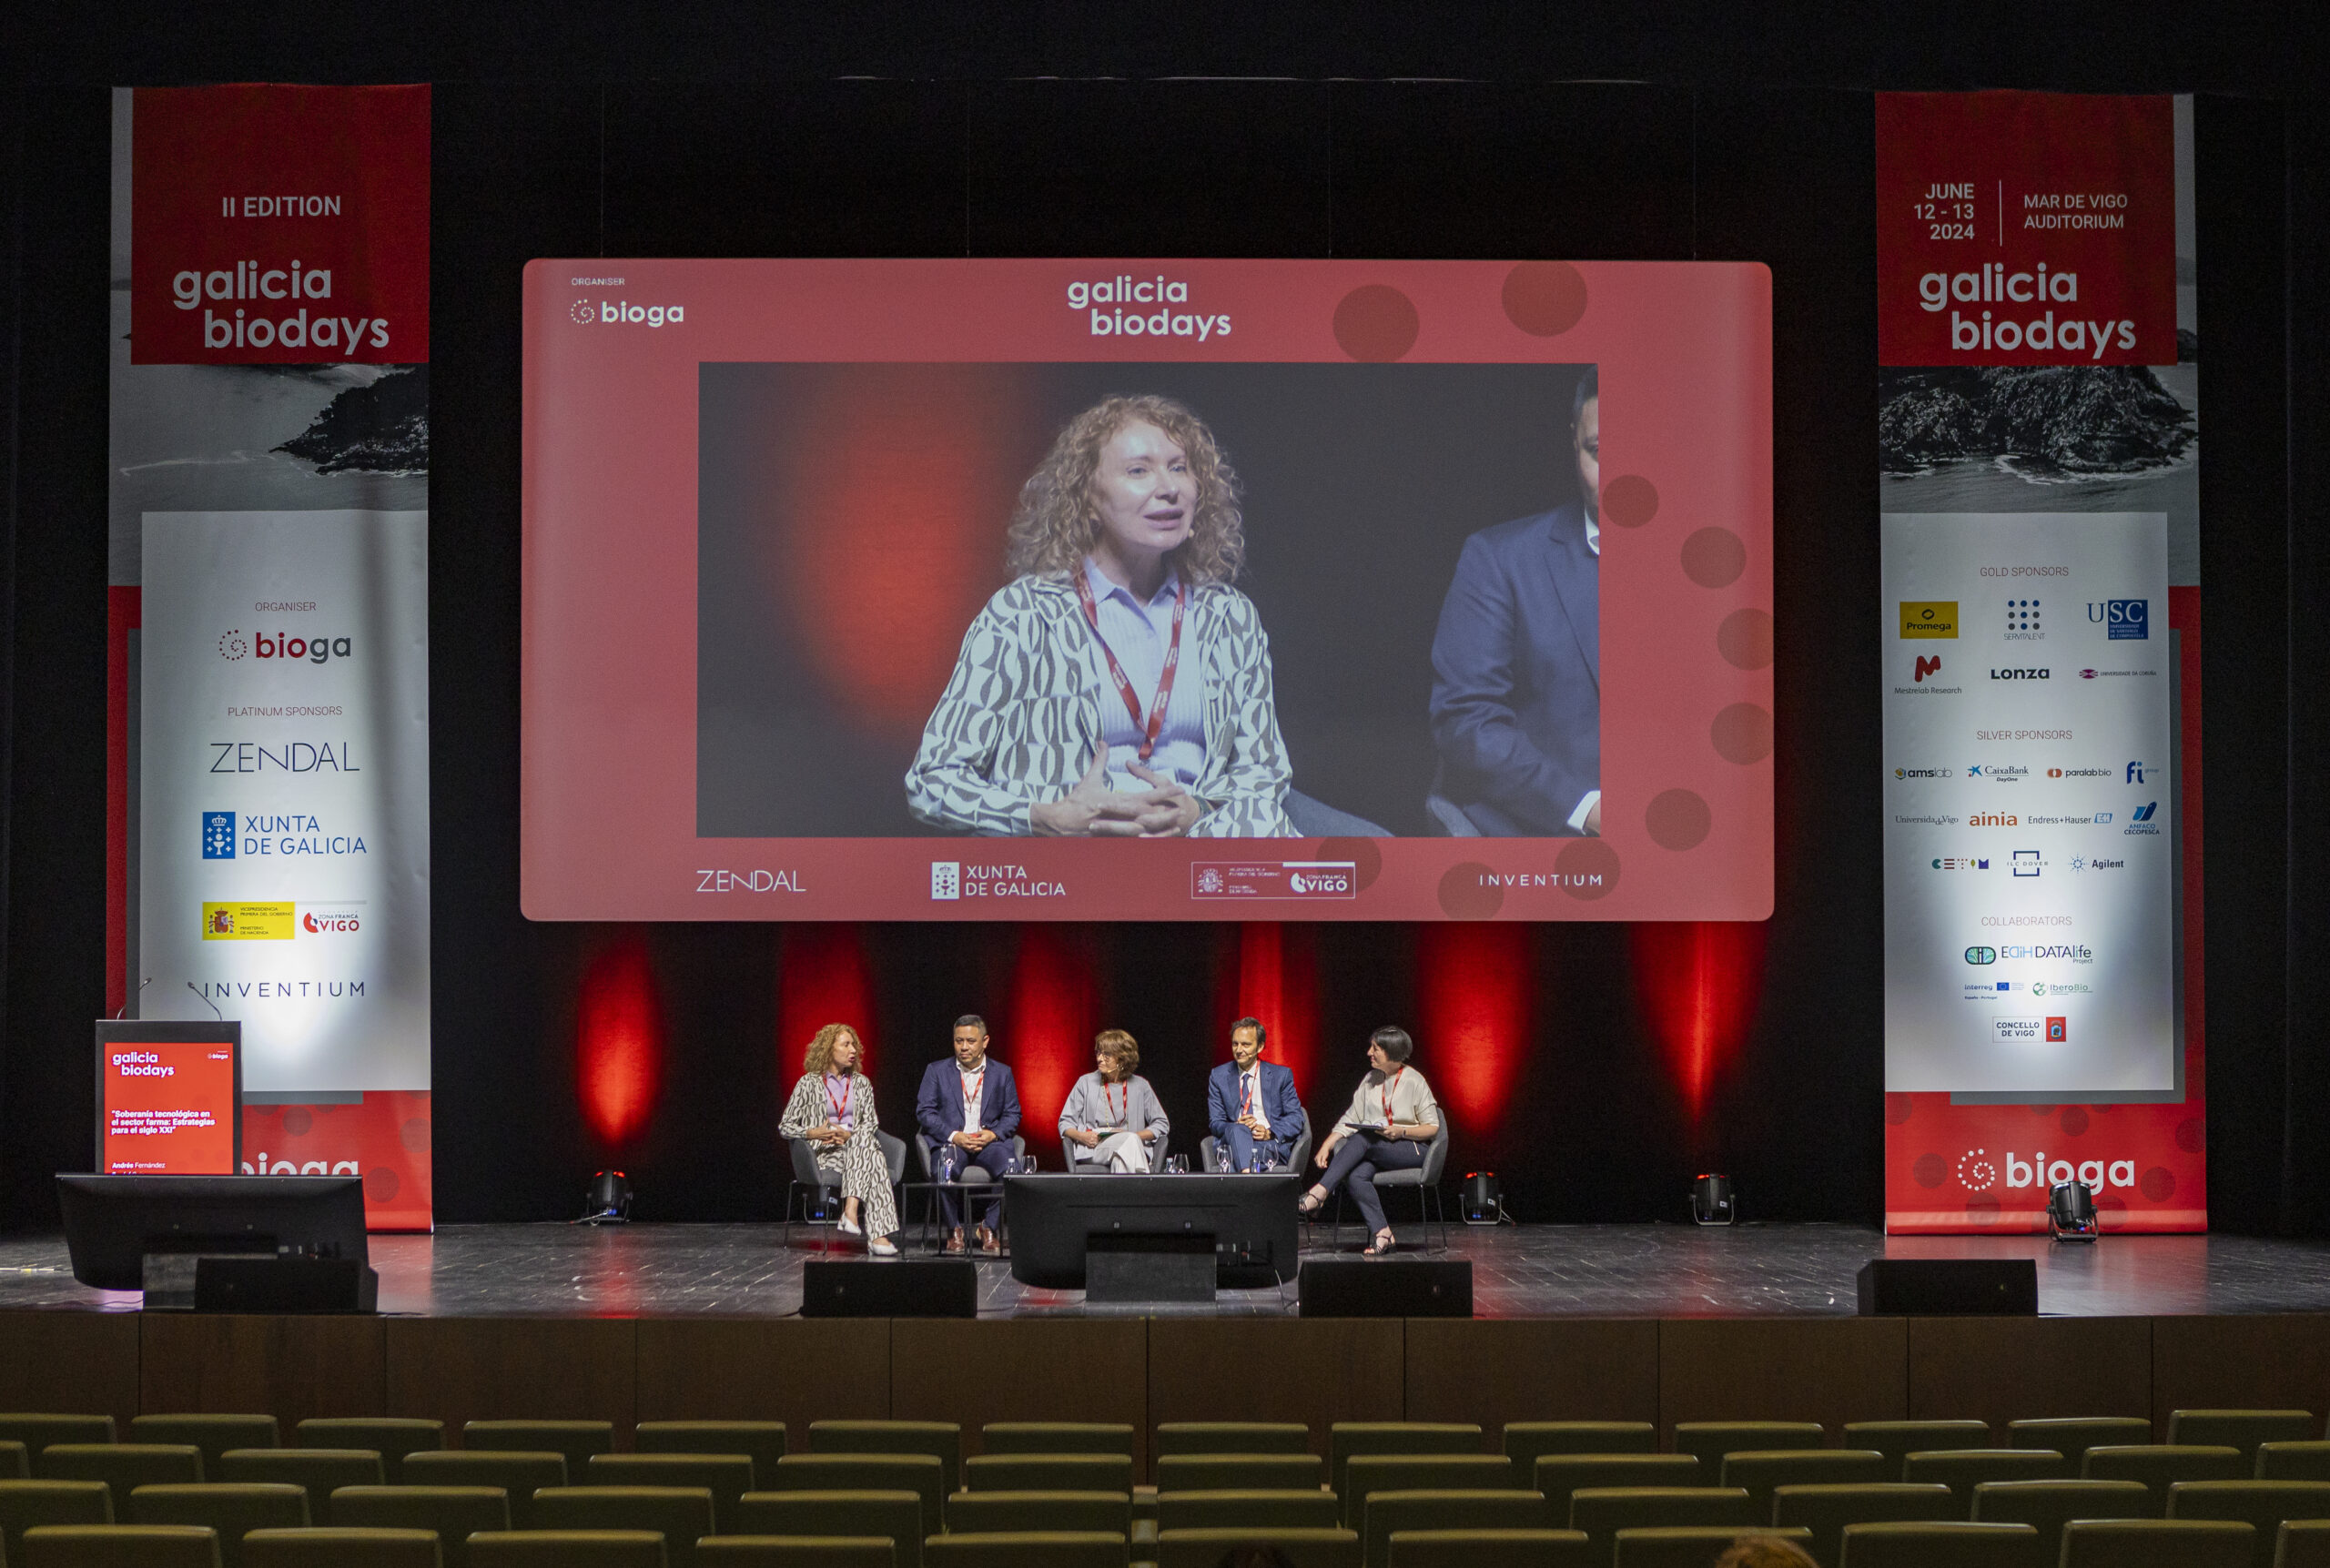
column 1360, row 1159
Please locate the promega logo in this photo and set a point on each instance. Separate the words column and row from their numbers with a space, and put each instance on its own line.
column 238, row 645
column 624, row 313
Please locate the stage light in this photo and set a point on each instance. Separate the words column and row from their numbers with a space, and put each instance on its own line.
column 2071, row 1212
column 1484, row 1199
column 1711, row 1201
column 609, row 1202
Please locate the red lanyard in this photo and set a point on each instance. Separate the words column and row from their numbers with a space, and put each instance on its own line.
column 971, row 1087
column 1389, row 1085
column 1117, row 672
column 1248, row 1084
column 1116, row 1110
column 840, row 1107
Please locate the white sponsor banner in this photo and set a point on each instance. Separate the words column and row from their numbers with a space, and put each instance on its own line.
column 2030, row 938
column 284, row 789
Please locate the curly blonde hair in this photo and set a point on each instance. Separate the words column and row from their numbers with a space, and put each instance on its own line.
column 820, row 1059
column 1056, row 523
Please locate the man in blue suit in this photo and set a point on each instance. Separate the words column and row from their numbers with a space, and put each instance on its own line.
column 1251, row 1104
column 968, row 1108
column 1516, row 664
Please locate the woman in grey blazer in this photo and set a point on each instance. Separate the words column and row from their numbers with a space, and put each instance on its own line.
column 1118, row 686
column 1112, row 1120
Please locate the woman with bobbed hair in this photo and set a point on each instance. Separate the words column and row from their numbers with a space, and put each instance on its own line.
column 832, row 1109
column 1112, row 1120
column 1391, row 1119
column 1118, row 686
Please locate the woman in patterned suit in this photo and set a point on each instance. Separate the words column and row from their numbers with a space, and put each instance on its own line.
column 1119, row 686
column 833, row 1107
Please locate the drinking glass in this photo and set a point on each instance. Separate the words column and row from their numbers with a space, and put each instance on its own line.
column 1177, row 1164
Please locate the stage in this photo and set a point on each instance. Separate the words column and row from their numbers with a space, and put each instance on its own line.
column 651, row 1270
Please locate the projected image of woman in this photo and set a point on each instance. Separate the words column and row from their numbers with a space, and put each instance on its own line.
column 1119, row 686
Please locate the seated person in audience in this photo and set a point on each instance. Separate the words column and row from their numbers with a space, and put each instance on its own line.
column 969, row 1108
column 1112, row 1120
column 1765, row 1552
column 1251, row 1104
column 1392, row 1118
column 832, row 1109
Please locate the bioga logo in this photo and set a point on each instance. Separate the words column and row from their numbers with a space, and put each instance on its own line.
column 624, row 313
column 238, row 645
column 1978, row 1172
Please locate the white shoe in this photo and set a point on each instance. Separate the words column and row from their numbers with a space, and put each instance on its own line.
column 882, row 1247
column 850, row 1227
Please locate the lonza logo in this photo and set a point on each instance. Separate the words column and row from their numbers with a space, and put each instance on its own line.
column 1927, row 667
column 1930, row 618
column 238, row 645
column 1977, row 1172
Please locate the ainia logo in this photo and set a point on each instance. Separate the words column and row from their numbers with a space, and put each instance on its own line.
column 624, row 313
column 1979, row 1173
column 239, row 645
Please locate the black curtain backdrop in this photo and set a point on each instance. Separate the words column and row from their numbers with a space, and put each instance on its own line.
column 1677, row 131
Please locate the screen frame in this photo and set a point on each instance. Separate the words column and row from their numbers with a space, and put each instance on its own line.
column 112, row 1032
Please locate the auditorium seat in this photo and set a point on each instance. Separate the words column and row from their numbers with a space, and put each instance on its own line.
column 2308, row 1460
column 1027, row 1549
column 577, row 1440
column 793, row 1552
column 1963, row 1469
column 214, row 1434
column 1238, row 1471
column 455, row 1512
column 1179, row 1437
column 1897, row 1440
column 680, row 1513
column 764, row 1441
column 319, row 1470
column 2263, row 1503
column 1950, row 1543
column 1017, row 1513
column 122, row 1466
column 1346, row 1438
column 36, row 1430
column 1292, row 1508
column 1303, row 1548
column 16, row 1461
column 342, row 1548
column 727, row 1476
column 2048, row 1505
column 1057, row 1437
column 2243, row 1430
column 28, row 1504
column 2073, row 1436
column 1762, row 1470
column 230, row 1508
column 1492, row 1549
column 2160, row 1465
column 119, row 1546
column 518, row 1473
column 1559, row 1474
column 1709, row 1440
column 1366, row 1473
column 2156, row 1543
column 391, row 1437
column 1603, row 1510
column 2303, row 1543
column 1524, row 1441
column 1826, row 1510
column 896, row 1515
column 920, row 1474
column 942, row 1438
column 1478, row 1508
column 566, row 1549
column 1049, row 1473
column 1691, row 1545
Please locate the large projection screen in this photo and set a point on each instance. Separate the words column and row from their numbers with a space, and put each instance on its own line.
column 851, row 588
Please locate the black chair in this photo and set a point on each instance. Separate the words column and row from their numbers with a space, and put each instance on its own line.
column 815, row 1185
column 930, row 1181
column 1298, row 1157
column 1425, row 1179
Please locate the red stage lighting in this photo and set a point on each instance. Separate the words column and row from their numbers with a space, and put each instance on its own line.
column 619, row 1040
column 1270, row 971
column 1047, row 1038
column 1698, row 984
column 822, row 976
column 1475, row 985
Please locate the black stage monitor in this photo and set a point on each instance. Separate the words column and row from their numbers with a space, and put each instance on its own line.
column 1939, row 1286
column 1250, row 1218
column 111, row 1222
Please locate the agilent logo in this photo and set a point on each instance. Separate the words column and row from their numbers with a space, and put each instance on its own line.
column 1927, row 667
column 1930, row 618
column 947, row 879
column 2122, row 618
column 237, row 646
column 218, row 835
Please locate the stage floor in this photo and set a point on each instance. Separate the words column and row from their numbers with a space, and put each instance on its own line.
column 1519, row 1271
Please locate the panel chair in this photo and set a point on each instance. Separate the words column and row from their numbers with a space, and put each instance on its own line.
column 2263, row 1503
column 1709, row 1440
column 339, row 1548
column 321, row 1470
column 894, row 1515
column 36, row 1430
column 1424, row 1180
column 517, row 1473
column 1559, row 1474
column 1391, row 1511
column 1017, row 1513
column 1761, row 1471
column 2161, row 1465
column 764, row 1441
column 391, row 1437
column 213, row 1434
column 1603, row 1510
column 1258, row 1508
column 1963, row 1469
column 1303, row 1548
column 122, row 1466
column 1524, row 1441
column 2293, row 1462
column 1238, row 1471
column 2303, row 1543
column 1370, row 1472
column 1693, row 1546
column 1950, row 1543
column 30, row 1504
column 727, row 1476
column 577, row 1440
column 1897, row 1440
column 2073, row 1436
column 1057, row 1437
column 1175, row 1438
column 1027, row 1549
column 681, row 1514
column 455, row 1512
column 976, row 1176
column 1346, row 1438
column 1826, row 1510
column 120, row 1546
column 1049, row 1473
column 920, row 1474
column 819, row 1190
column 231, row 1508
column 2157, row 1543
column 795, row 1552
column 943, row 1438
column 566, row 1549
column 2243, row 1430
column 1493, row 1548
column 1298, row 1156
column 2048, row 1505
column 16, row 1461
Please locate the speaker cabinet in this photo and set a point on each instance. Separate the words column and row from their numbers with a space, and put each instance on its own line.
column 1948, row 1287
column 1386, row 1288
column 903, row 1288
column 268, row 1284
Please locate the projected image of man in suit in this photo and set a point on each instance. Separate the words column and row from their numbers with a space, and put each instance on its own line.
column 1516, row 664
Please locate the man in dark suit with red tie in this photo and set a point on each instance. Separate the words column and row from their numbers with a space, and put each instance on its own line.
column 968, row 1108
column 1251, row 1104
